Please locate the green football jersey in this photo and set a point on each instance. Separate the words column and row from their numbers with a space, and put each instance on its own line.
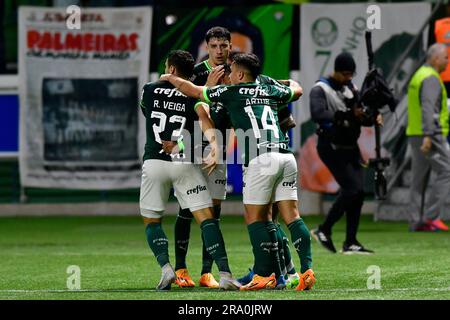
column 201, row 72
column 168, row 112
column 219, row 115
column 263, row 79
column 253, row 111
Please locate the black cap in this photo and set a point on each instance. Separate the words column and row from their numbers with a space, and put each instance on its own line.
column 344, row 62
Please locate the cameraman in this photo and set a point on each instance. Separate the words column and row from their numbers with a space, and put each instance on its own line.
column 334, row 107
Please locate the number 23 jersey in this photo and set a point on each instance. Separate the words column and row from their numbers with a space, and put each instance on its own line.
column 167, row 112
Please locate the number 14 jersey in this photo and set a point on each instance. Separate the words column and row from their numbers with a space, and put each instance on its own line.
column 253, row 109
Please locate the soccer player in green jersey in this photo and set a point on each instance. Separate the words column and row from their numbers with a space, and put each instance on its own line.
column 286, row 266
column 169, row 113
column 218, row 45
column 270, row 173
column 218, row 42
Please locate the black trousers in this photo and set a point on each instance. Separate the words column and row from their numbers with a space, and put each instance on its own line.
column 346, row 167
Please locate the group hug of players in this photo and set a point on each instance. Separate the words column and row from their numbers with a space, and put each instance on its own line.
column 221, row 97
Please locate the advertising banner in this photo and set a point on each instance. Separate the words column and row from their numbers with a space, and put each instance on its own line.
column 79, row 89
column 329, row 29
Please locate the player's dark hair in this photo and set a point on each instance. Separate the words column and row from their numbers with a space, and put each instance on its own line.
column 232, row 54
column 227, row 68
column 182, row 61
column 233, row 22
column 218, row 33
column 250, row 62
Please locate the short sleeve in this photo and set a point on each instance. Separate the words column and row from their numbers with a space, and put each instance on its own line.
column 283, row 93
column 215, row 94
column 145, row 98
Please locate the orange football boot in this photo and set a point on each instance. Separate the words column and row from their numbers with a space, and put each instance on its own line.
column 184, row 280
column 259, row 283
column 207, row 280
column 307, row 280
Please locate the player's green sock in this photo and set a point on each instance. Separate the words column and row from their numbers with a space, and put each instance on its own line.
column 301, row 240
column 158, row 242
column 280, row 248
column 182, row 231
column 212, row 236
column 217, row 209
column 276, row 254
column 207, row 260
column 261, row 244
column 287, row 258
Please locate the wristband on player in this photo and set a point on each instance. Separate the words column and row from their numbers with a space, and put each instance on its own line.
column 180, row 144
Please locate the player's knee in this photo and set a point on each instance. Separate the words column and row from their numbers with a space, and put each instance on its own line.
column 148, row 221
column 288, row 210
column 202, row 214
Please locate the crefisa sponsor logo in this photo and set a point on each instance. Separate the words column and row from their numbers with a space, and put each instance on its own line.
column 220, row 181
column 196, row 190
column 169, row 92
column 218, row 92
column 258, row 91
column 291, row 184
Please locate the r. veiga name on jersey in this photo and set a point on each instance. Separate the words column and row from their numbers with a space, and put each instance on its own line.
column 174, row 106
column 169, row 92
column 169, row 105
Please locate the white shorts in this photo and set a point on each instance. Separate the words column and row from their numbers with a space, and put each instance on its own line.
column 270, row 177
column 217, row 181
column 159, row 176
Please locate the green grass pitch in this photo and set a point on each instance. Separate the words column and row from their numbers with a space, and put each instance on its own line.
column 116, row 263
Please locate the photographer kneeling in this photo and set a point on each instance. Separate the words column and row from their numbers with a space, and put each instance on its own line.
column 334, row 107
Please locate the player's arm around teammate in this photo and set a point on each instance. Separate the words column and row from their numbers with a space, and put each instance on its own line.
column 161, row 173
column 218, row 47
column 207, row 127
column 257, row 198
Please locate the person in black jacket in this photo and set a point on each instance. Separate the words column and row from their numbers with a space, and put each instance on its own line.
column 334, row 107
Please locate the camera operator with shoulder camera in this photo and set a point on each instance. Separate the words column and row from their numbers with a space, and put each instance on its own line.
column 334, row 107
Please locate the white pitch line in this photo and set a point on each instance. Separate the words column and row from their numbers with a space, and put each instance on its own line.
column 76, row 291
column 199, row 291
column 381, row 290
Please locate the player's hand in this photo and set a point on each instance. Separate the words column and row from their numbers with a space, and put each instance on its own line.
column 165, row 77
column 211, row 161
column 214, row 76
column 170, row 147
column 359, row 113
column 426, row 144
column 379, row 120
